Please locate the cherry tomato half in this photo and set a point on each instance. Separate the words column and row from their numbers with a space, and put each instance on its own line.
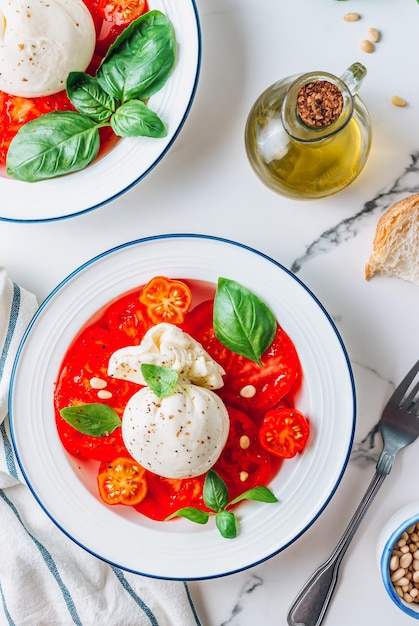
column 121, row 11
column 122, row 481
column 284, row 432
column 166, row 300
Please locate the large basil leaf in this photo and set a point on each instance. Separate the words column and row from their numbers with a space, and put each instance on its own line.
column 140, row 61
column 88, row 97
column 52, row 145
column 136, row 119
column 242, row 322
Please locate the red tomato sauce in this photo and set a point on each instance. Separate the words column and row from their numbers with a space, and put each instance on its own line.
column 249, row 392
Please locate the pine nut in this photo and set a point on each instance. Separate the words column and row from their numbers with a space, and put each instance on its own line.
column 243, row 476
column 103, row 394
column 398, row 574
column 248, row 391
column 406, row 560
column 373, row 34
column 394, row 563
column 416, row 577
column 415, row 563
column 351, row 17
column 367, row 46
column 407, row 598
column 398, row 101
column 244, row 443
column 404, row 583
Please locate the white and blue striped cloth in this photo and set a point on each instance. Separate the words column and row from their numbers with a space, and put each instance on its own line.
column 45, row 578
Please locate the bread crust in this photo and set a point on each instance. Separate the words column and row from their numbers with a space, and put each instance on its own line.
column 394, row 229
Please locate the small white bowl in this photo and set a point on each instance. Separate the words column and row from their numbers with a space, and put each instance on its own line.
column 390, row 534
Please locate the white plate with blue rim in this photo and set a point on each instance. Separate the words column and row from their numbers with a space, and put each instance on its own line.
column 179, row 549
column 131, row 159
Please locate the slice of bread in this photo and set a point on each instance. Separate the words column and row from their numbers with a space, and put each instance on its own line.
column 396, row 242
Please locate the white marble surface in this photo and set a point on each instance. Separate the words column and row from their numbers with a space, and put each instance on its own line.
column 205, row 185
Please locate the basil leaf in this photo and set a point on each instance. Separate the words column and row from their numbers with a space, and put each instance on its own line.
column 88, row 97
column 192, row 514
column 141, row 59
column 260, row 494
column 242, row 322
column 226, row 524
column 96, row 419
column 52, row 145
column 161, row 380
column 215, row 491
column 135, row 119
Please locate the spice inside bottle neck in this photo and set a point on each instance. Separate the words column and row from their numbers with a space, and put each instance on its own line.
column 319, row 103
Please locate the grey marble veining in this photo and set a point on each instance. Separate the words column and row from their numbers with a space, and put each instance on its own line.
column 407, row 183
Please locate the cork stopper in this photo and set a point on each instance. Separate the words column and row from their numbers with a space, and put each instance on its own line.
column 319, row 103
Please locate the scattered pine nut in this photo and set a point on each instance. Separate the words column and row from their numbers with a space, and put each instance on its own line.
column 98, row 383
column 351, row 17
column 248, row 391
column 244, row 443
column 398, row 102
column 103, row 394
column 374, row 35
column 367, row 46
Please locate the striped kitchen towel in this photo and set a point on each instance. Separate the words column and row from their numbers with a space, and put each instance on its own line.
column 45, row 578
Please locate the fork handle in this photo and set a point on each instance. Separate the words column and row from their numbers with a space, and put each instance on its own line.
column 310, row 605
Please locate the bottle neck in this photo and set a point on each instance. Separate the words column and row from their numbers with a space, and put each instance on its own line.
column 316, row 106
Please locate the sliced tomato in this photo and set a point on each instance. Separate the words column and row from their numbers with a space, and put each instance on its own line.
column 247, row 385
column 127, row 320
column 284, row 432
column 122, row 481
column 167, row 495
column 166, row 300
column 83, row 379
column 121, row 11
column 16, row 111
column 243, row 463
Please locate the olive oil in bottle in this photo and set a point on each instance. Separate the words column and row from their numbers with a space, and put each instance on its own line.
column 309, row 136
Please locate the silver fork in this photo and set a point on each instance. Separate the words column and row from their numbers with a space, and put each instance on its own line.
column 399, row 426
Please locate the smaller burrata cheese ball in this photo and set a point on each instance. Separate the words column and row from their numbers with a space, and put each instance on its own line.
column 41, row 42
column 180, row 436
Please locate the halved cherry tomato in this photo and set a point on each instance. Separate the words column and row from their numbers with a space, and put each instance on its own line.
column 166, row 300
column 284, row 432
column 247, row 385
column 122, row 481
column 121, row 11
column 127, row 320
column 16, row 111
column 243, row 463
